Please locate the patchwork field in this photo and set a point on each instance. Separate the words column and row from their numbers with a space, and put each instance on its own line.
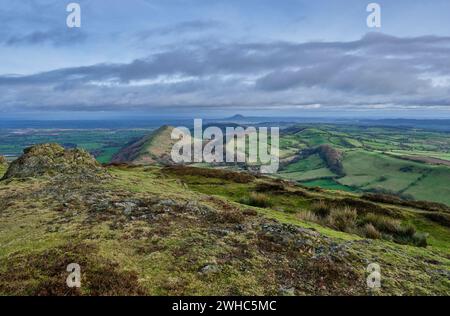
column 412, row 163
column 102, row 143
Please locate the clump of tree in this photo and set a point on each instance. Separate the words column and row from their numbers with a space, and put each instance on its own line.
column 331, row 156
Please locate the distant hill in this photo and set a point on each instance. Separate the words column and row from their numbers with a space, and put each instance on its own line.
column 236, row 117
column 150, row 149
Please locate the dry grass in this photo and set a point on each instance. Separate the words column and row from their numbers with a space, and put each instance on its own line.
column 371, row 232
column 238, row 177
column 343, row 219
column 45, row 274
column 321, row 209
column 257, row 199
column 308, row 216
column 383, row 223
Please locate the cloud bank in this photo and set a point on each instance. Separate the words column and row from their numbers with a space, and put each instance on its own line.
column 375, row 72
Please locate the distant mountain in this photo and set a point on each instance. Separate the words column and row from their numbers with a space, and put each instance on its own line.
column 150, row 149
column 236, row 117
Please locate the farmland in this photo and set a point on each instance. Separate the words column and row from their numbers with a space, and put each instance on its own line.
column 102, row 143
column 409, row 162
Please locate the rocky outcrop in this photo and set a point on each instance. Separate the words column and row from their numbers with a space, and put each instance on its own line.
column 52, row 160
column 3, row 161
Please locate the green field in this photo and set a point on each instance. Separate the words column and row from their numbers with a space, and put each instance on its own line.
column 102, row 143
column 371, row 160
column 308, row 175
column 372, row 170
column 310, row 163
column 327, row 184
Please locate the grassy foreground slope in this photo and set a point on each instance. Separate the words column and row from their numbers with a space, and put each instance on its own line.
column 193, row 231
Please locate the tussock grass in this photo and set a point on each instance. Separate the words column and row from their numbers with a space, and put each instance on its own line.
column 238, row 177
column 440, row 218
column 369, row 225
column 257, row 199
column 343, row 219
column 308, row 217
column 383, row 223
column 371, row 232
column 321, row 209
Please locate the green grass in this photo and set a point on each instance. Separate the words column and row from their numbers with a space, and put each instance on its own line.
column 329, row 184
column 308, row 175
column 102, row 142
column 369, row 160
column 2, row 170
column 287, row 206
column 433, row 187
column 439, row 236
column 422, row 153
column 106, row 154
column 310, row 163
column 375, row 171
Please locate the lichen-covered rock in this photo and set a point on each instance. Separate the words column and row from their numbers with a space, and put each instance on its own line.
column 3, row 161
column 52, row 160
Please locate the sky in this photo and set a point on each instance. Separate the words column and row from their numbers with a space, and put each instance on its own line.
column 206, row 58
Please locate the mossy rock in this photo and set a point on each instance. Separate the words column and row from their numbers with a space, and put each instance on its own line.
column 51, row 160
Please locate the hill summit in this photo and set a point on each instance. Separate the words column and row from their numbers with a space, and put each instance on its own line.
column 237, row 117
column 51, row 160
column 150, row 149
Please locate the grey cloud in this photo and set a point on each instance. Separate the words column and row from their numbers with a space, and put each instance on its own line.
column 377, row 69
column 194, row 26
column 57, row 37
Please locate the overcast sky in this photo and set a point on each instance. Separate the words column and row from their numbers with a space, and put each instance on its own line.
column 220, row 57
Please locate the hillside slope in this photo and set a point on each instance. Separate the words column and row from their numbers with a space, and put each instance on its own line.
column 193, row 231
column 152, row 148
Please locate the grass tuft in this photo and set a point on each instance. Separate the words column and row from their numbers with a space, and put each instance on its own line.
column 257, row 200
column 371, row 232
column 320, row 209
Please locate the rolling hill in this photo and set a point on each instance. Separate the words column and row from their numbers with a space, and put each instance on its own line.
column 410, row 163
column 407, row 162
column 150, row 149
